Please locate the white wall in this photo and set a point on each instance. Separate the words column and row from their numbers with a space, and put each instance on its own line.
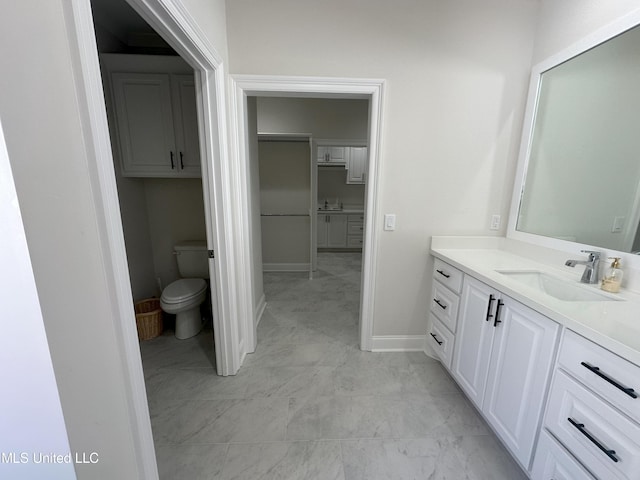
column 456, row 77
column 564, row 22
column 321, row 117
column 30, row 413
column 176, row 214
column 51, row 168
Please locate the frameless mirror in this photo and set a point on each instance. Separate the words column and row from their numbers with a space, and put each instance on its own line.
column 581, row 179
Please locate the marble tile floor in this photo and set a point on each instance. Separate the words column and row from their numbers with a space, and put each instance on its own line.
column 308, row 404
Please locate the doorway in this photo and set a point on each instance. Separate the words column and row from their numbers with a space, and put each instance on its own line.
column 246, row 86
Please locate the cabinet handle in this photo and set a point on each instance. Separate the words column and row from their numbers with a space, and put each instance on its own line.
column 580, row 426
column 629, row 391
column 172, row 164
column 443, row 274
column 491, row 299
column 444, row 307
column 181, row 162
column 436, row 339
column 497, row 320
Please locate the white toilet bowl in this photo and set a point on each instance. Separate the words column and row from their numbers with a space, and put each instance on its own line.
column 183, row 298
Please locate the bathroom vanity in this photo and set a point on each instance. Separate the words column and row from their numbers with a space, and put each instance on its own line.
column 546, row 360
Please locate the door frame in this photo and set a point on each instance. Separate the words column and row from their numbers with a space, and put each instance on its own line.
column 242, row 86
column 175, row 25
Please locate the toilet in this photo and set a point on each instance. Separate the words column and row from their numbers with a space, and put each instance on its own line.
column 184, row 297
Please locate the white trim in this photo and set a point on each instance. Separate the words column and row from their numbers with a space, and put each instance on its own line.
column 175, row 25
column 262, row 305
column 399, row 343
column 599, row 36
column 312, row 87
column 285, row 267
column 101, row 170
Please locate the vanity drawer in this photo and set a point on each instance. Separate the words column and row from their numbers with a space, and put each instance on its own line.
column 449, row 276
column 605, row 441
column 354, row 241
column 441, row 340
column 356, row 218
column 444, row 305
column 616, row 379
column 354, row 228
column 553, row 461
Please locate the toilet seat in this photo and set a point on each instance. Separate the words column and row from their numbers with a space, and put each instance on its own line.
column 183, row 289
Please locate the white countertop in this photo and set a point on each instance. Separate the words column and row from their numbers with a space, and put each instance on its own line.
column 613, row 324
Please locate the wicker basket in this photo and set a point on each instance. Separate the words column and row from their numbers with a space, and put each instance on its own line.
column 148, row 318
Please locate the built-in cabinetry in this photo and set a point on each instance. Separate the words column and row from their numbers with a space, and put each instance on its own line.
column 340, row 230
column 355, row 231
column 445, row 297
column 354, row 159
column 502, row 354
column 156, row 120
column 356, row 165
column 565, row 407
column 593, row 414
column 502, row 360
column 332, row 155
column 332, row 230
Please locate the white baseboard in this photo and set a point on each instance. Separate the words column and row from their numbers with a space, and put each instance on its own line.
column 399, row 343
column 262, row 304
column 285, row 267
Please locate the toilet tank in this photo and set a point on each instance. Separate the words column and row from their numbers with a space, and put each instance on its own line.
column 192, row 258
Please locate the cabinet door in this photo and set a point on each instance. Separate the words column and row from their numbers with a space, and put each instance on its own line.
column 519, row 372
column 186, row 125
column 322, row 231
column 337, row 231
column 145, row 123
column 323, row 154
column 474, row 339
column 357, row 164
column 337, row 154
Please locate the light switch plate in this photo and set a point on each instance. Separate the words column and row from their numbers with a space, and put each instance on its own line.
column 390, row 222
column 495, row 222
column 618, row 225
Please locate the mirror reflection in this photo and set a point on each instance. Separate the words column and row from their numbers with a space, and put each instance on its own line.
column 583, row 175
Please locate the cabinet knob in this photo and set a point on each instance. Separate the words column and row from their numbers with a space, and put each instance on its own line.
column 172, row 164
column 181, row 162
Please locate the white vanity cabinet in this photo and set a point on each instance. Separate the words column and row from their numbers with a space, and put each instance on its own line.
column 157, row 124
column 594, row 409
column 445, row 297
column 503, row 358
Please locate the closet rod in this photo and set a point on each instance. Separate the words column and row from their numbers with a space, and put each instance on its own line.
column 284, row 215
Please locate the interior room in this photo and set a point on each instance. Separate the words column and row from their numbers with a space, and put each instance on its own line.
column 411, row 227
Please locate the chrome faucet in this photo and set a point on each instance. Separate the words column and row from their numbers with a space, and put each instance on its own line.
column 592, row 266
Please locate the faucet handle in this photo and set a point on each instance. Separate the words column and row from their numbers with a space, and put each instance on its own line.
column 593, row 254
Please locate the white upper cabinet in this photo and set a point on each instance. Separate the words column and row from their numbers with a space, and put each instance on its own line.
column 157, row 124
column 331, row 155
column 186, row 124
column 356, row 165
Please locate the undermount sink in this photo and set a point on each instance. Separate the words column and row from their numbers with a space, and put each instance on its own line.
column 556, row 287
